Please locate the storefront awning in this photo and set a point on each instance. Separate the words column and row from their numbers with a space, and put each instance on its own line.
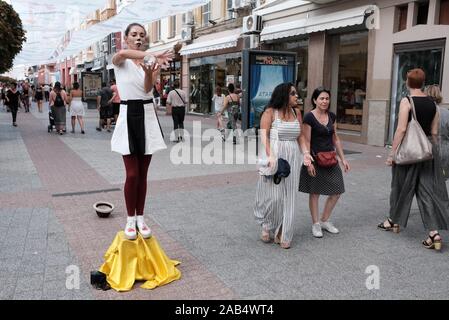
column 212, row 42
column 163, row 47
column 335, row 20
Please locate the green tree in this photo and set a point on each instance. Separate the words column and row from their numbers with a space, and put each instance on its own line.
column 12, row 36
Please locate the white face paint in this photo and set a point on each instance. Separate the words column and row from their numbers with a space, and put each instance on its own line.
column 135, row 38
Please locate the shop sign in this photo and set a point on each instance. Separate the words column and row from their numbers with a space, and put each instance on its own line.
column 271, row 60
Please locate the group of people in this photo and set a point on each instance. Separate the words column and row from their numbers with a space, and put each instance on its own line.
column 60, row 102
column 108, row 105
column 311, row 147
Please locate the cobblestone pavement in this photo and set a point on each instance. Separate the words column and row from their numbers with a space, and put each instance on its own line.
column 202, row 216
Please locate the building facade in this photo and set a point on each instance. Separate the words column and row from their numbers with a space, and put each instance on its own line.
column 361, row 51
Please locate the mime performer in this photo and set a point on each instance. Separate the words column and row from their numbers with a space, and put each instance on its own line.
column 137, row 133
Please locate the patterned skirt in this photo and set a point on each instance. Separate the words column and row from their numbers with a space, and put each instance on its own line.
column 328, row 181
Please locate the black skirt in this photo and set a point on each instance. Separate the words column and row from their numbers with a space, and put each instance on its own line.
column 328, row 181
column 136, row 126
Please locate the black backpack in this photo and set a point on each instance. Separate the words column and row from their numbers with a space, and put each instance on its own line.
column 59, row 102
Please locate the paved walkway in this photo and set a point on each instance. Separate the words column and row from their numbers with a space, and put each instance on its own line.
column 202, row 216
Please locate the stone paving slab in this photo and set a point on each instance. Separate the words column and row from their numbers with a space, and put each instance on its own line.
column 202, row 216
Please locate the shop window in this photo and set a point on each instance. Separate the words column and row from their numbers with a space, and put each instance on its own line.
column 444, row 12
column 423, row 12
column 352, row 73
column 209, row 72
column 205, row 12
column 402, row 18
column 427, row 55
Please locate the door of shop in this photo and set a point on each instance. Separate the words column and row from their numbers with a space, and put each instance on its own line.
column 427, row 55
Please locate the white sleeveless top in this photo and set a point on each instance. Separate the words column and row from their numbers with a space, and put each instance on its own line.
column 130, row 79
column 130, row 85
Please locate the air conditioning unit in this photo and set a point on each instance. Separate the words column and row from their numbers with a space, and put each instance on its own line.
column 186, row 33
column 240, row 4
column 252, row 24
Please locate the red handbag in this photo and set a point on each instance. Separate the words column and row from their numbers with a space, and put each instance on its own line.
column 326, row 159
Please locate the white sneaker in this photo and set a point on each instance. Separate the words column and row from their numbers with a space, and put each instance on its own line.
column 316, row 230
column 130, row 228
column 144, row 230
column 329, row 227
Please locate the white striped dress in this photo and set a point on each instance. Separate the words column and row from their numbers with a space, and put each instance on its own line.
column 276, row 205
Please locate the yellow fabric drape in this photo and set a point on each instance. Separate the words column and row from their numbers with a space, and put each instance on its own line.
column 142, row 259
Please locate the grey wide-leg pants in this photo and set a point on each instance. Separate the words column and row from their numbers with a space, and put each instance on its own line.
column 425, row 180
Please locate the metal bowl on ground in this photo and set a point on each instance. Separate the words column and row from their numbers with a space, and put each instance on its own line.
column 103, row 208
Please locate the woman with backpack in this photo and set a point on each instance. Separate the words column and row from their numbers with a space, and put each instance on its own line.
column 58, row 101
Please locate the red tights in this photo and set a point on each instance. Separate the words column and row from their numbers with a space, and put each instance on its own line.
column 136, row 182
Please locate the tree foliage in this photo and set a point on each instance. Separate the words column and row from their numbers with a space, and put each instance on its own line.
column 12, row 36
column 7, row 80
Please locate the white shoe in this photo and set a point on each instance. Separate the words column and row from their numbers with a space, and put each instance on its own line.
column 130, row 228
column 316, row 230
column 144, row 230
column 329, row 227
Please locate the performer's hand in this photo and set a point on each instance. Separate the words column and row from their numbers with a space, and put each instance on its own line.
column 148, row 69
column 164, row 58
column 155, row 67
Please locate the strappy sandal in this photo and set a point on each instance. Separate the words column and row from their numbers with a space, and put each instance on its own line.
column 265, row 236
column 283, row 245
column 391, row 227
column 434, row 244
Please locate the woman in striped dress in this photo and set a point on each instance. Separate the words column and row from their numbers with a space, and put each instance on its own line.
column 276, row 204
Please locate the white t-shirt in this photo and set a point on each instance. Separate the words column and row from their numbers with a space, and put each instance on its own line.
column 218, row 102
column 174, row 98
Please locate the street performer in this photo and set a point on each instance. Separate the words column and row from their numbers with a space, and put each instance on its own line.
column 137, row 134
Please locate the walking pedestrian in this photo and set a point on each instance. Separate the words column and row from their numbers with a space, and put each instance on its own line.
column 104, row 107
column 434, row 92
column 318, row 175
column 423, row 179
column 232, row 101
column 176, row 100
column 76, row 107
column 137, row 134
column 58, row 101
column 115, row 100
column 157, row 91
column 39, row 96
column 47, row 92
column 3, row 95
column 277, row 201
column 26, row 96
column 13, row 99
column 218, row 100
